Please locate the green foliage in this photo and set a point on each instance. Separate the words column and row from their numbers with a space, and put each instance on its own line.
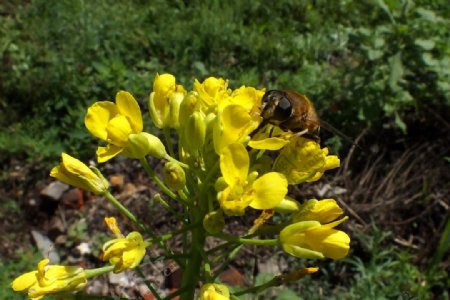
column 24, row 262
column 377, row 271
column 358, row 61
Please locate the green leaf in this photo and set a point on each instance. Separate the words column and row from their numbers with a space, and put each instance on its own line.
column 399, row 122
column 287, row 294
column 425, row 44
column 395, row 63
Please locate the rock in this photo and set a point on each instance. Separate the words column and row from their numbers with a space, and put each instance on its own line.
column 84, row 248
column 269, row 266
column 117, row 181
column 45, row 246
column 54, row 190
column 232, row 277
column 73, row 198
column 120, row 279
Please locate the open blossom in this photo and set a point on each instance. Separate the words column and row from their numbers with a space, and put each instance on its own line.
column 50, row 279
column 236, row 117
column 302, row 160
column 123, row 252
column 120, row 125
column 74, row 172
column 244, row 189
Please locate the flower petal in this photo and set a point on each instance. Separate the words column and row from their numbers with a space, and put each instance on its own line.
column 324, row 211
column 118, row 131
column 273, row 143
column 106, row 153
column 235, row 124
column 129, row 107
column 234, row 164
column 111, row 222
column 332, row 243
column 24, row 281
column 268, row 190
column 98, row 116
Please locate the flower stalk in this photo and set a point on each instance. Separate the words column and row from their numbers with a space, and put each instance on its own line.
column 217, row 171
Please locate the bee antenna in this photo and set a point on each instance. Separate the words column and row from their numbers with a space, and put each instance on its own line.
column 330, row 128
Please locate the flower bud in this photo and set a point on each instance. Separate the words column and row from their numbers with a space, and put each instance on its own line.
column 323, row 211
column 195, row 132
column 287, row 205
column 214, row 291
column 74, row 172
column 214, row 222
column 174, row 176
column 310, row 239
column 189, row 104
column 164, row 84
column 165, row 100
column 143, row 144
column 220, row 184
column 175, row 102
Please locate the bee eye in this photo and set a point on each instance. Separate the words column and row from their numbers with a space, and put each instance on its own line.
column 283, row 110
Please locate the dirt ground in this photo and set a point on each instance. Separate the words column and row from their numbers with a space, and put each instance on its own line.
column 399, row 182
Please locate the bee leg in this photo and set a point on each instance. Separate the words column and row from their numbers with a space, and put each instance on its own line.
column 300, row 133
column 308, row 135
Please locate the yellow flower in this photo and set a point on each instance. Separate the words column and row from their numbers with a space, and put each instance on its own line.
column 211, row 91
column 302, row 160
column 245, row 189
column 288, row 205
column 214, row 291
column 50, row 279
column 247, row 97
column 323, row 211
column 143, row 144
column 74, row 172
column 123, row 252
column 165, row 100
column 265, row 142
column 233, row 125
column 310, row 239
column 113, row 123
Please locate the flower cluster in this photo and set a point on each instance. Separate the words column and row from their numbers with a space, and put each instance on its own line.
column 227, row 160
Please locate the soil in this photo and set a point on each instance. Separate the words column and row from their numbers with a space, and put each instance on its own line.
column 399, row 182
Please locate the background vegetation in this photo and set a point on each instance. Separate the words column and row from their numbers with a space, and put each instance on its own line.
column 375, row 65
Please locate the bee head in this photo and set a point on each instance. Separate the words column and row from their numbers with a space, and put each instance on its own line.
column 276, row 107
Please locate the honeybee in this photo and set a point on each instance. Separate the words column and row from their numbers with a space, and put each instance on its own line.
column 290, row 111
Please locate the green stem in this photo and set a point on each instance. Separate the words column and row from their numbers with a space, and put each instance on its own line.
column 169, row 141
column 90, row 273
column 163, row 202
column 148, row 284
column 227, row 260
column 168, row 236
column 124, row 210
column 192, row 272
column 232, row 238
column 170, row 158
column 276, row 281
column 157, row 180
